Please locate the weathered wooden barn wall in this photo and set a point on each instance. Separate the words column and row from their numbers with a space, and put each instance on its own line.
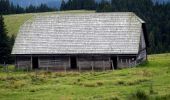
column 126, row 61
column 94, row 62
column 23, row 62
column 54, row 62
column 84, row 62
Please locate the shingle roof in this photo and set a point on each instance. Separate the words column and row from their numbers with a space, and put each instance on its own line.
column 96, row 33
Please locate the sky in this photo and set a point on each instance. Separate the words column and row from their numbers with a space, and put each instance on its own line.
column 52, row 3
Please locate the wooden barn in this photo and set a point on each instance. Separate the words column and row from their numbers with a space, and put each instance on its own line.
column 95, row 41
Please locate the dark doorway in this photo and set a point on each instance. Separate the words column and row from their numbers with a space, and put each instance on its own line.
column 35, row 62
column 114, row 62
column 73, row 62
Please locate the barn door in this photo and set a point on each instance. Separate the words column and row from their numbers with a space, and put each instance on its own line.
column 73, row 62
column 35, row 62
column 114, row 62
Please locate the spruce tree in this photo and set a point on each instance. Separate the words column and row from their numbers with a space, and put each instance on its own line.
column 63, row 5
column 5, row 49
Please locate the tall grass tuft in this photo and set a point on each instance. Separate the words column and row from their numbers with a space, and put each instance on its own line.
column 139, row 95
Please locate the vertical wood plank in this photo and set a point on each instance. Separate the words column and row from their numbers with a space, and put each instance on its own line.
column 92, row 65
column 104, row 66
column 79, row 65
column 117, row 61
column 31, row 62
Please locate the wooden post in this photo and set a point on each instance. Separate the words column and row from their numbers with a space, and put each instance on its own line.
column 126, row 61
column 117, row 61
column 79, row 66
column 48, row 65
column 92, row 65
column 65, row 68
column 15, row 63
column 104, row 66
column 69, row 63
column 121, row 62
column 27, row 67
column 18, row 66
column 112, row 65
column 31, row 62
column 38, row 62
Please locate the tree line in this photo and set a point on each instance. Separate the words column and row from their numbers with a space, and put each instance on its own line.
column 157, row 17
column 9, row 8
column 6, row 44
column 78, row 4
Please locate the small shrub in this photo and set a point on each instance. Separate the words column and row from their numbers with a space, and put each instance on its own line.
column 151, row 91
column 34, row 90
column 99, row 83
column 78, row 80
column 121, row 83
column 139, row 95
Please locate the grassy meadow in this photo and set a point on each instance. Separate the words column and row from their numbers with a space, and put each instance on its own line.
column 148, row 81
column 14, row 21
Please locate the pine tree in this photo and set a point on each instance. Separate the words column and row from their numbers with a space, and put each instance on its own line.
column 5, row 49
column 63, row 5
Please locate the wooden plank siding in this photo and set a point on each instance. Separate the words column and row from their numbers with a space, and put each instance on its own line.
column 126, row 61
column 94, row 62
column 54, row 62
column 23, row 62
column 84, row 62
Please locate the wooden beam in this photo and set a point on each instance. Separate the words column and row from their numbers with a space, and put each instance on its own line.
column 78, row 65
column 110, row 63
column 117, row 61
column 69, row 62
column 38, row 62
column 31, row 63
column 92, row 65
column 129, row 63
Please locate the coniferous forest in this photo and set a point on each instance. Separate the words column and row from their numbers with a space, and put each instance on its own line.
column 156, row 16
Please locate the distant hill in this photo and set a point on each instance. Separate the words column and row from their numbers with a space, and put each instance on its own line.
column 53, row 3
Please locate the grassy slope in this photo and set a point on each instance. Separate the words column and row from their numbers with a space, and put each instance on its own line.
column 13, row 22
column 89, row 85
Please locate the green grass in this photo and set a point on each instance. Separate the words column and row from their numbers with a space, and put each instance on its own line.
column 150, row 81
column 13, row 22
